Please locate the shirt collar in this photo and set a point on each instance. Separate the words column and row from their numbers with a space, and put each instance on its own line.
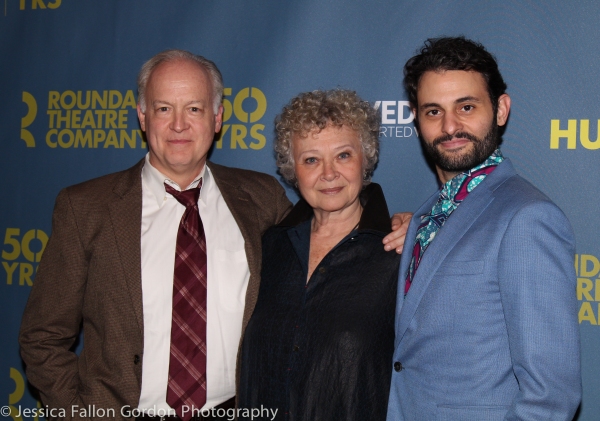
column 155, row 181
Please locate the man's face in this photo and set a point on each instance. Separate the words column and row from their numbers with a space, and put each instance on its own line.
column 456, row 119
column 180, row 122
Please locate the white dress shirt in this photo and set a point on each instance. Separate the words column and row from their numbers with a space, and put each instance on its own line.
column 227, row 273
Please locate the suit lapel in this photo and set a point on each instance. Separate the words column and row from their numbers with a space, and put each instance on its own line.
column 125, row 215
column 447, row 237
column 411, row 234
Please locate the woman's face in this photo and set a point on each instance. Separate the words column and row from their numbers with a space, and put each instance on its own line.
column 329, row 168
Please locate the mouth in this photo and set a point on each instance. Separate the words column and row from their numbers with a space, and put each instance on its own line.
column 454, row 142
column 178, row 141
column 331, row 191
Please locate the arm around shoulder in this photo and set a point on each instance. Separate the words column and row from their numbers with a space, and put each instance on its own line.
column 52, row 318
column 538, row 286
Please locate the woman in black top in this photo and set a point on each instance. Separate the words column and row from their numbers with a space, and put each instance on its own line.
column 320, row 341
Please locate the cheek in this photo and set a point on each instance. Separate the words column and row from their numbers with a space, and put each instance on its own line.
column 306, row 190
column 154, row 126
column 354, row 178
column 354, row 173
column 482, row 130
column 297, row 172
column 303, row 177
column 427, row 130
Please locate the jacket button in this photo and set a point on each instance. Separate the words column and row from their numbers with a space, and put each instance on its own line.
column 397, row 366
column 136, row 359
column 322, row 270
column 296, row 348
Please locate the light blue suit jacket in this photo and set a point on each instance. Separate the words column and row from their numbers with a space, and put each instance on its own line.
column 489, row 329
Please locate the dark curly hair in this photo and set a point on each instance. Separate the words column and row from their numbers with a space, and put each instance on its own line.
column 453, row 53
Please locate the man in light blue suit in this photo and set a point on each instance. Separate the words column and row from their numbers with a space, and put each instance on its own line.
column 486, row 322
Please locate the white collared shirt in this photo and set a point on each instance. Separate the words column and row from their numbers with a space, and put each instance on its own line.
column 227, row 273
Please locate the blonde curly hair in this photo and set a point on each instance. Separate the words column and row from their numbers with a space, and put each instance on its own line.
column 316, row 110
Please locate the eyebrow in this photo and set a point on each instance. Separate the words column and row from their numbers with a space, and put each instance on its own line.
column 161, row 101
column 468, row 98
column 348, row 145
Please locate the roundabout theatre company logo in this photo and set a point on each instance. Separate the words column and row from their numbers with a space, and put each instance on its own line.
column 108, row 119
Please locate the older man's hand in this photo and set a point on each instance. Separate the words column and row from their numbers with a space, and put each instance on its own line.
column 395, row 239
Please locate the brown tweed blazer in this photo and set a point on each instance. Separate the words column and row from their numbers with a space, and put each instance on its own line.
column 90, row 278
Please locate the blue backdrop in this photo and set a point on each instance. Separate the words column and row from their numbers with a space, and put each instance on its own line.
column 67, row 78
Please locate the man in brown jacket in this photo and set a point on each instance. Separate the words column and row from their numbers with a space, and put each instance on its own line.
column 95, row 267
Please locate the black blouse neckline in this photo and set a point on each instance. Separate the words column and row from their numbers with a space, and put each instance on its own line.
column 375, row 215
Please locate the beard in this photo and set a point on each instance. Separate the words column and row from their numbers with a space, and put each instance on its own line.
column 460, row 162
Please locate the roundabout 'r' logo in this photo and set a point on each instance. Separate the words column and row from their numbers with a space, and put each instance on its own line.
column 28, row 119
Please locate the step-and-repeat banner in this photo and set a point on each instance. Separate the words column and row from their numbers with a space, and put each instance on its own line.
column 68, row 95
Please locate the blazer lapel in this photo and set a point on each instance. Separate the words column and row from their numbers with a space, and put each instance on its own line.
column 447, row 237
column 409, row 244
column 125, row 215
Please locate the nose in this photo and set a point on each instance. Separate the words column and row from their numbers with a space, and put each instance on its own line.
column 329, row 171
column 179, row 122
column 451, row 124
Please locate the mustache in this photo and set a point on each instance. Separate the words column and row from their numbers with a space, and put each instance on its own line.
column 457, row 135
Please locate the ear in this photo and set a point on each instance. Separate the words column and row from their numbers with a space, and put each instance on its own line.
column 219, row 119
column 503, row 109
column 141, row 117
column 416, row 120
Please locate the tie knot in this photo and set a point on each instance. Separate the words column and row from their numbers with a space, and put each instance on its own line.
column 187, row 197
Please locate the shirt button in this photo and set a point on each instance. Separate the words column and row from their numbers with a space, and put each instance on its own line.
column 322, row 270
column 136, row 359
column 397, row 366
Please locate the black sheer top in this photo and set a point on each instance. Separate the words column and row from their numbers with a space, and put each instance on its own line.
column 323, row 350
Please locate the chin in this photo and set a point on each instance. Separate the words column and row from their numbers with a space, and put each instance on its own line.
column 332, row 207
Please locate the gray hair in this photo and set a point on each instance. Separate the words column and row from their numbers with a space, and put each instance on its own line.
column 316, row 110
column 175, row 55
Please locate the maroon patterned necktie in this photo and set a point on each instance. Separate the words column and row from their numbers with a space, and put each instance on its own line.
column 187, row 363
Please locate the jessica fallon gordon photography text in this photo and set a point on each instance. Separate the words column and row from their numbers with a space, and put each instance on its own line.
column 92, row 411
